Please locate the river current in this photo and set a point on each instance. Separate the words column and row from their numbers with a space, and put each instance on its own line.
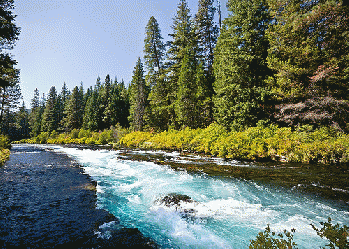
column 225, row 212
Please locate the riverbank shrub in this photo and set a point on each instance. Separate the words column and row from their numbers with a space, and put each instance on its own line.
column 4, row 155
column 303, row 145
column 261, row 143
column 82, row 136
column 336, row 235
column 5, row 142
column 270, row 240
column 5, row 146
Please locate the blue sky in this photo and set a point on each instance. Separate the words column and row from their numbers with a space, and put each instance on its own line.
column 75, row 41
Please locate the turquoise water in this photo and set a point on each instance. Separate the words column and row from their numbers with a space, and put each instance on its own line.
column 227, row 213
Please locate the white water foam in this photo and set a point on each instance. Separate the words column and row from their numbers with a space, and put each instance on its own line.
column 225, row 213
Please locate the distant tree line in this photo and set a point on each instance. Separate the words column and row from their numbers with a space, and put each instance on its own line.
column 272, row 61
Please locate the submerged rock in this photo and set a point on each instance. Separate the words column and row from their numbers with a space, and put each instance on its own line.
column 178, row 201
column 174, row 199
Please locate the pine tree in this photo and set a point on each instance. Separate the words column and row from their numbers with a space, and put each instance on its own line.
column 35, row 114
column 154, row 52
column 182, row 37
column 9, row 76
column 309, row 53
column 240, row 65
column 105, row 101
column 74, row 110
column 91, row 119
column 207, row 33
column 9, row 100
column 186, row 102
column 22, row 123
column 309, row 49
column 138, row 97
column 62, row 100
column 49, row 117
column 124, row 107
column 118, row 105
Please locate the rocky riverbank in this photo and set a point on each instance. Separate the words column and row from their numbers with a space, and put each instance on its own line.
column 46, row 201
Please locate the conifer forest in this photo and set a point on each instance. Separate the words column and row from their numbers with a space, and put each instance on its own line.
column 268, row 83
column 270, row 62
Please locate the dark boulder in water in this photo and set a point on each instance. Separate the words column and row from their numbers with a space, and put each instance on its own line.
column 174, row 199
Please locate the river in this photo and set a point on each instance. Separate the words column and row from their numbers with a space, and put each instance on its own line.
column 225, row 212
column 48, row 201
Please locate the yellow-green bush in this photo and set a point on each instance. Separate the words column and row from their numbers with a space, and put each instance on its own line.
column 4, row 156
column 136, row 139
column 82, row 136
column 5, row 145
column 324, row 145
column 5, row 142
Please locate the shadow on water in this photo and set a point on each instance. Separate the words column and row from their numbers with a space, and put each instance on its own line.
column 327, row 181
column 46, row 201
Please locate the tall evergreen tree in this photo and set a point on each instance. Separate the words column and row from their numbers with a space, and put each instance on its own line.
column 62, row 100
column 309, row 49
column 91, row 119
column 105, row 101
column 74, row 110
column 9, row 32
column 188, row 104
column 138, row 97
column 9, row 100
column 309, row 53
column 182, row 37
column 49, row 117
column 240, row 65
column 154, row 52
column 118, row 105
column 35, row 114
column 22, row 123
column 207, row 33
column 124, row 107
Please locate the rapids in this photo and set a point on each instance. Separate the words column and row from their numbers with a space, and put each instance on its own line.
column 225, row 212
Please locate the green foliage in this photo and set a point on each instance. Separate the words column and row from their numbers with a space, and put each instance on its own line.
column 337, row 235
column 74, row 110
column 139, row 92
column 35, row 114
column 82, row 136
column 271, row 240
column 308, row 48
column 92, row 118
column 240, row 66
column 4, row 155
column 5, row 142
column 49, row 117
column 136, row 139
column 324, row 145
column 154, row 51
column 9, row 76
